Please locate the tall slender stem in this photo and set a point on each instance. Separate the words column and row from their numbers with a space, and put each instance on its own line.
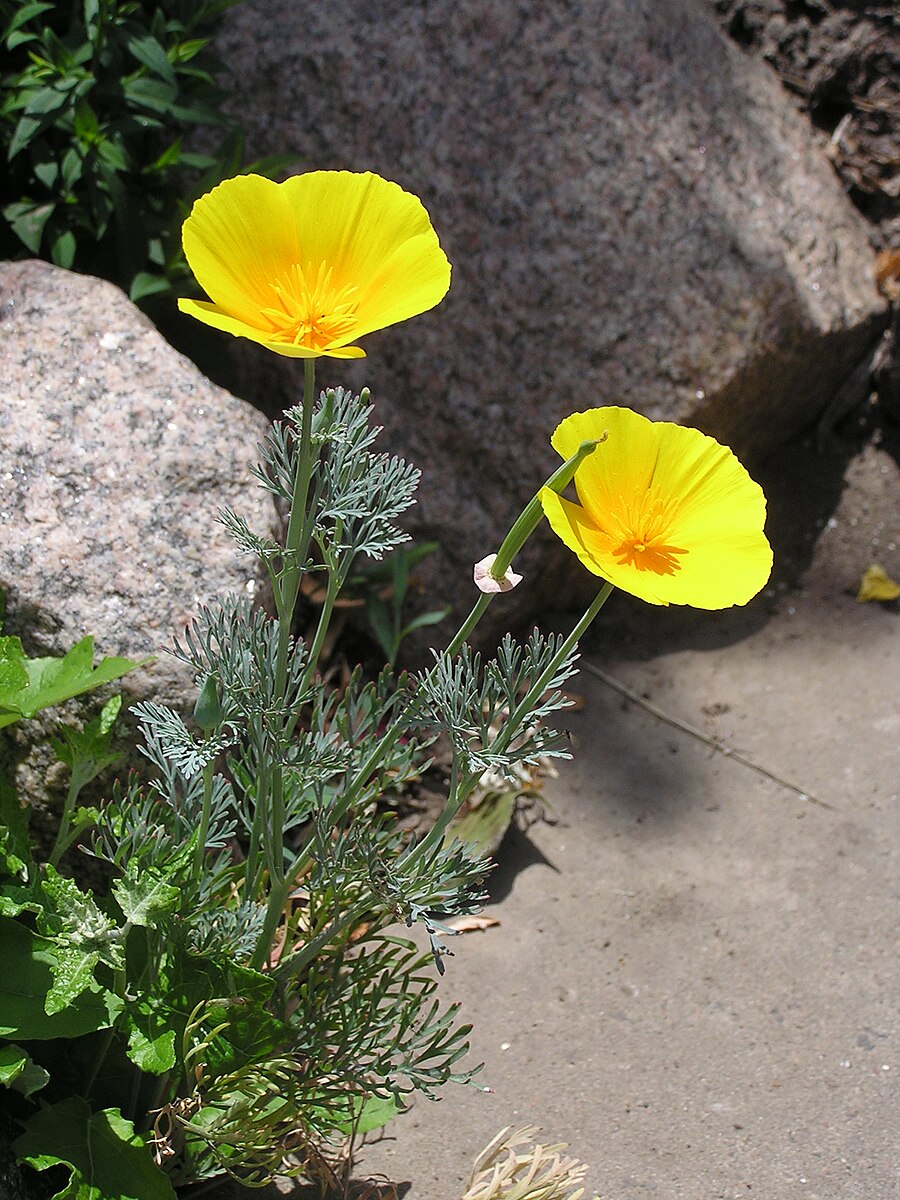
column 270, row 799
column 539, row 686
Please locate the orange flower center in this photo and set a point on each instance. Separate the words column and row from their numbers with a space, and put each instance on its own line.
column 311, row 311
column 643, row 533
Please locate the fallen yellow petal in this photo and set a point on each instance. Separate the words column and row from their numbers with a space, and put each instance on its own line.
column 877, row 585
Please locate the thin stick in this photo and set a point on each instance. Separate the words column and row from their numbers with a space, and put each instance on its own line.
column 692, row 731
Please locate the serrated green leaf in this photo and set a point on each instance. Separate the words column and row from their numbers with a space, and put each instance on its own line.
column 25, row 981
column 19, row 1072
column 87, row 751
column 83, row 937
column 146, row 899
column 107, row 1159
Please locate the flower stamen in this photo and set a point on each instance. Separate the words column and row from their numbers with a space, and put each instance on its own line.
column 311, row 311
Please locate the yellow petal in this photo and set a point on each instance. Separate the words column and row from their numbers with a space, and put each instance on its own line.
column 673, row 488
column 308, row 266
column 876, row 584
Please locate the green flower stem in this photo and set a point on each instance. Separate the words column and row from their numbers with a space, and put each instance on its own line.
column 522, row 529
column 295, row 551
column 540, row 685
column 469, row 623
column 459, row 790
column 336, row 579
column 203, row 833
column 292, row 964
column 66, row 834
column 526, row 523
column 278, row 896
column 270, row 799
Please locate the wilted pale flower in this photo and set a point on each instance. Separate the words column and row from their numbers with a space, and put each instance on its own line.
column 666, row 512
column 308, row 266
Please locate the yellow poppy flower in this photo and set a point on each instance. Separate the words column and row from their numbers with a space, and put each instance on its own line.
column 666, row 513
column 308, row 266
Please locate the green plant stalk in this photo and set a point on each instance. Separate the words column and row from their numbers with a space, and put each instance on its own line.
column 539, row 686
column 65, row 835
column 269, row 817
column 337, row 576
column 522, row 529
column 298, row 529
column 203, row 832
column 460, row 790
column 293, row 963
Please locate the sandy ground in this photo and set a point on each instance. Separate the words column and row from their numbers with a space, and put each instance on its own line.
column 694, row 980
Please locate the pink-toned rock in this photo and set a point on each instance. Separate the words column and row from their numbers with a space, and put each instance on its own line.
column 635, row 214
column 117, row 455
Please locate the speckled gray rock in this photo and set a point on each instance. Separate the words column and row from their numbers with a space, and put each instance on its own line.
column 116, row 456
column 634, row 211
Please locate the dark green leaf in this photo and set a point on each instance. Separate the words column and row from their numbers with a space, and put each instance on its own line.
column 154, row 1052
column 145, row 283
column 107, row 1159
column 18, row 1071
column 27, row 221
column 154, row 94
column 62, row 249
column 26, row 980
column 25, row 12
column 15, row 847
column 148, row 51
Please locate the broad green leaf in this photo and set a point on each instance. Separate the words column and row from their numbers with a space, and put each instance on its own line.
column 13, row 674
column 91, row 12
column 483, row 828
column 49, row 100
column 25, row 981
column 19, row 1072
column 107, row 1159
column 154, row 94
column 49, row 681
column 151, row 1045
column 112, row 154
column 376, row 1111
column 146, row 898
column 86, row 124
